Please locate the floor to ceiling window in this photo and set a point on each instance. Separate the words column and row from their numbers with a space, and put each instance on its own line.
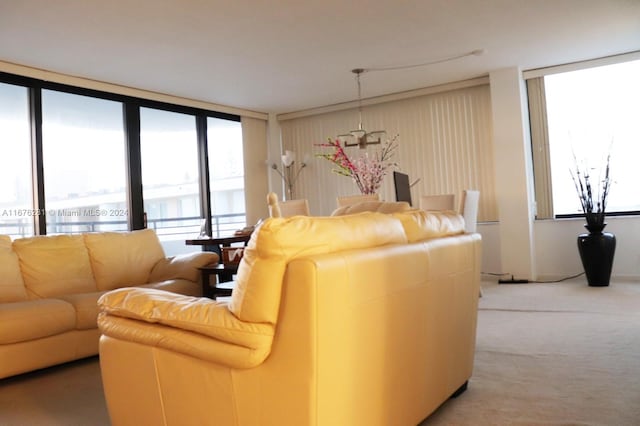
column 226, row 175
column 84, row 163
column 593, row 113
column 587, row 115
column 16, row 192
column 170, row 176
column 79, row 160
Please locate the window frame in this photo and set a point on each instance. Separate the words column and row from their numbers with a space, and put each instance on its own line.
column 539, row 137
column 131, row 119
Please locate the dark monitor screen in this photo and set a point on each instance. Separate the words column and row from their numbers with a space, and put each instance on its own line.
column 403, row 188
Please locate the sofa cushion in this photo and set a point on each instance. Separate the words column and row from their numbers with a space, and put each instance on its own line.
column 256, row 297
column 180, row 286
column 122, row 259
column 196, row 314
column 184, row 266
column 34, row 319
column 373, row 206
column 85, row 306
column 11, row 284
column 421, row 225
column 54, row 265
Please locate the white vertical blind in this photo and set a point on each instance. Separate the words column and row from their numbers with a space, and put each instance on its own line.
column 540, row 147
column 445, row 141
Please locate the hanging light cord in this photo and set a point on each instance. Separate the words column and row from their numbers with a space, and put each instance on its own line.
column 477, row 52
column 357, row 72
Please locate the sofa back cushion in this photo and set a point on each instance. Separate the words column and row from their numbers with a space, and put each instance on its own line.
column 372, row 206
column 11, row 283
column 122, row 259
column 54, row 265
column 422, row 225
column 256, row 297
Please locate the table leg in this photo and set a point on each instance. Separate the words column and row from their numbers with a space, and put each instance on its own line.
column 211, row 291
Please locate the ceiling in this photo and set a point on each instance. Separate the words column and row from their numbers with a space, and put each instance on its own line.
column 290, row 55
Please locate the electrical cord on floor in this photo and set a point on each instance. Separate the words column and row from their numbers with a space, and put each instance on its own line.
column 558, row 280
column 512, row 280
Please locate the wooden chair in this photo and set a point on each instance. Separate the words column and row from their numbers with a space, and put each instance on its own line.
column 289, row 208
column 348, row 200
column 438, row 202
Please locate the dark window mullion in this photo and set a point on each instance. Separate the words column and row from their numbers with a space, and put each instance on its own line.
column 131, row 112
column 203, row 163
column 35, row 112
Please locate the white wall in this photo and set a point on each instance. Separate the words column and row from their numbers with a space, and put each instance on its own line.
column 557, row 250
column 491, row 249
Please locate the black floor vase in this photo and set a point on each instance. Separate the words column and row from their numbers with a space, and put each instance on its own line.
column 596, row 252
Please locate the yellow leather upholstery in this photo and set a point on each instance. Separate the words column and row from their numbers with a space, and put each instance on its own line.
column 49, row 297
column 256, row 297
column 234, row 343
column 420, row 225
column 178, row 267
column 11, row 285
column 85, row 306
column 24, row 321
column 369, row 329
column 123, row 259
column 54, row 265
column 372, row 206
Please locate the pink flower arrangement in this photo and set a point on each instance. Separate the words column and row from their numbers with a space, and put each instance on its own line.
column 367, row 172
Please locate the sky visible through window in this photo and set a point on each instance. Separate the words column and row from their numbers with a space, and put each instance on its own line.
column 591, row 113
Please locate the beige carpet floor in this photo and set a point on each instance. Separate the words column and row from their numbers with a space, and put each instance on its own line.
column 547, row 354
column 64, row 395
column 553, row 354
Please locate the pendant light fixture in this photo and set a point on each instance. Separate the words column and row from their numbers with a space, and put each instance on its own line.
column 361, row 137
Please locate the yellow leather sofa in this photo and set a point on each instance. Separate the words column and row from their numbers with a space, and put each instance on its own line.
column 50, row 285
column 372, row 206
column 358, row 320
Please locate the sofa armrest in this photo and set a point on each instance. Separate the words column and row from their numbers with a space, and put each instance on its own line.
column 183, row 266
column 194, row 326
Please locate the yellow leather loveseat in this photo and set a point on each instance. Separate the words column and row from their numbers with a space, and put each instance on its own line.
column 50, row 285
column 358, row 320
